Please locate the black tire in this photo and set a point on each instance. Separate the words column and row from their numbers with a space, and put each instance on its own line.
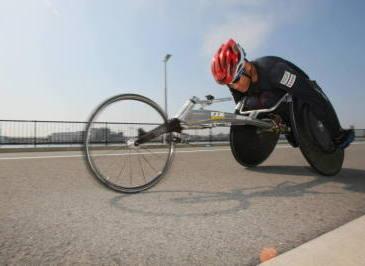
column 250, row 145
column 151, row 152
column 291, row 139
column 317, row 132
column 314, row 141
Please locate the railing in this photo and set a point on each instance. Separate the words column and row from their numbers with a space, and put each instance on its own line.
column 38, row 133
column 35, row 132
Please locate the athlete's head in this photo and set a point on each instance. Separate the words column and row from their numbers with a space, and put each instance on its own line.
column 229, row 66
column 228, row 63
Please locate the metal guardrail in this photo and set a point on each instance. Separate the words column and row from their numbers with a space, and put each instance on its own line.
column 37, row 133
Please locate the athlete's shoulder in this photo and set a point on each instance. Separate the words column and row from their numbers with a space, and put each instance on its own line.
column 268, row 60
column 278, row 64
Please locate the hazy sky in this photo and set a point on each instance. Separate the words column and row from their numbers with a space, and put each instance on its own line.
column 60, row 58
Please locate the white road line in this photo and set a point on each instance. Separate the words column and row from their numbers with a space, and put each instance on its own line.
column 104, row 154
column 177, row 151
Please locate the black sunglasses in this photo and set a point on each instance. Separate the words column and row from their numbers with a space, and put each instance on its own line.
column 241, row 72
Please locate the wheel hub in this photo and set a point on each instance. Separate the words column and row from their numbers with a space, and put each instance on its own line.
column 131, row 143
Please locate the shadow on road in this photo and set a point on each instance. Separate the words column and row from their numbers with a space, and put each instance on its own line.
column 354, row 179
column 178, row 203
column 284, row 170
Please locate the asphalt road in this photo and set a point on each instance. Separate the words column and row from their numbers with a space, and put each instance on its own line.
column 208, row 210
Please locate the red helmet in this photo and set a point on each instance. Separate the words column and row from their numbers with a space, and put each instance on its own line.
column 228, row 62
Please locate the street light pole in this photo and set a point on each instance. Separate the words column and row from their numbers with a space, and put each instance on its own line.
column 167, row 57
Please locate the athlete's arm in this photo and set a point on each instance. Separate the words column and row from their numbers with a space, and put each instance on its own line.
column 237, row 96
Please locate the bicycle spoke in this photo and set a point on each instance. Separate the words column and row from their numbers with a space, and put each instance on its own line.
column 160, row 157
column 121, row 157
column 144, row 158
column 122, row 170
column 139, row 160
column 130, row 168
column 109, row 164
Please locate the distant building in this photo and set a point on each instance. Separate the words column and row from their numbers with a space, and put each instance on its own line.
column 67, row 137
column 106, row 135
column 359, row 132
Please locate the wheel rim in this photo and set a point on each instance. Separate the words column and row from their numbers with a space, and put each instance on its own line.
column 325, row 163
column 319, row 132
column 110, row 151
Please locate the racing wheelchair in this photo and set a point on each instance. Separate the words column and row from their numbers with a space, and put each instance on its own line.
column 135, row 158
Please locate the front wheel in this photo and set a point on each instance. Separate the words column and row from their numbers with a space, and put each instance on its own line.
column 110, row 150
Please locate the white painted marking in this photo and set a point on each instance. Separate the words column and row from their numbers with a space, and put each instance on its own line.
column 177, row 151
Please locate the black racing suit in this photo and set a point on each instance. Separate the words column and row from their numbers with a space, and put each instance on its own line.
column 277, row 76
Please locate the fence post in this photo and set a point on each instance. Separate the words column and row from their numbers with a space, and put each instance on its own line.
column 210, row 136
column 106, row 133
column 35, row 133
column 83, row 133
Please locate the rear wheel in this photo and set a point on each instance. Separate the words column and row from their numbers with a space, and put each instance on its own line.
column 317, row 132
column 111, row 153
column 315, row 142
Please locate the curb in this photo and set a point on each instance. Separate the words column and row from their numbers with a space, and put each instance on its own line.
column 343, row 246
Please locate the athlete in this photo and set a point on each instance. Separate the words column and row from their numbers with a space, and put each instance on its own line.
column 262, row 81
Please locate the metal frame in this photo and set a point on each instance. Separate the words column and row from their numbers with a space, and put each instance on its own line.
column 254, row 113
column 201, row 118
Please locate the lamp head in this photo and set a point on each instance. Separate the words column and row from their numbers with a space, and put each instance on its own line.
column 167, row 57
